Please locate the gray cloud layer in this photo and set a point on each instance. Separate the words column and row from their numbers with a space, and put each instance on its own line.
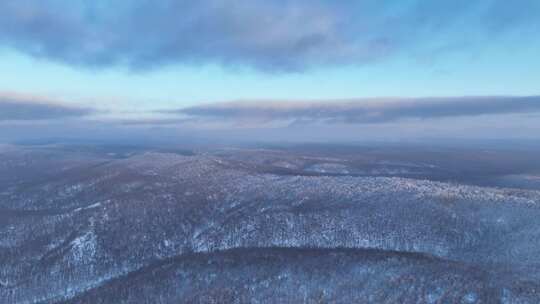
column 459, row 117
column 364, row 111
column 260, row 113
column 19, row 108
column 265, row 34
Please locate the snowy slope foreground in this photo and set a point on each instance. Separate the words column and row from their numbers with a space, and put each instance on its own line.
column 247, row 226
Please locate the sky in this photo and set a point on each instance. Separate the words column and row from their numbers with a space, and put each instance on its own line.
column 273, row 68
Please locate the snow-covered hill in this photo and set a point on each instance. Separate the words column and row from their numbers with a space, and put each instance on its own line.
column 166, row 226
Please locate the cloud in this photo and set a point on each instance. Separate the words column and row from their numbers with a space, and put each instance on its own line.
column 26, row 108
column 155, row 121
column 37, row 118
column 270, row 35
column 362, row 111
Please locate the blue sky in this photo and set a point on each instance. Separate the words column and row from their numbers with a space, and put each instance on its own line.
column 492, row 71
column 137, row 57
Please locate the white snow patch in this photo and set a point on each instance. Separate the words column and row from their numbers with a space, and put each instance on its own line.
column 84, row 246
column 88, row 207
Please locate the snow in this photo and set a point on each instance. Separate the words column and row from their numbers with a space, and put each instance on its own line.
column 84, row 246
column 93, row 206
